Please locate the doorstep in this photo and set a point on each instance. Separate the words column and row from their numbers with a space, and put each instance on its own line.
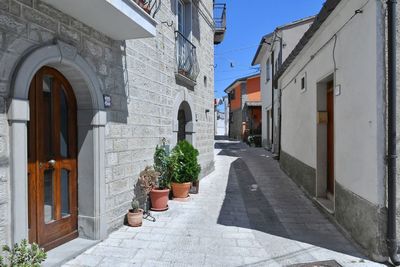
column 68, row 251
column 326, row 204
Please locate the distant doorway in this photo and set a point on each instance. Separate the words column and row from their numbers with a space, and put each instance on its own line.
column 181, row 125
column 185, row 123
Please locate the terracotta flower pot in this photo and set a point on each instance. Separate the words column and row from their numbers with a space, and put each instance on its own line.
column 159, row 199
column 181, row 190
column 135, row 218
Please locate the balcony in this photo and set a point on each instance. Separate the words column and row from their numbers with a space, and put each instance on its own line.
column 219, row 22
column 118, row 19
column 186, row 59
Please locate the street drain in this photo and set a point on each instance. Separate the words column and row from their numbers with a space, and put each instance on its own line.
column 331, row 263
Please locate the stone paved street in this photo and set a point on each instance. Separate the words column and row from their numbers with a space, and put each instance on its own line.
column 248, row 213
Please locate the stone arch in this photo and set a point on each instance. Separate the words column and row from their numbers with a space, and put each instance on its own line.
column 91, row 133
column 183, row 102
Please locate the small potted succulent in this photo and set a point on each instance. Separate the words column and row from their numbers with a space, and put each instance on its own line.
column 135, row 215
column 159, row 194
column 184, row 168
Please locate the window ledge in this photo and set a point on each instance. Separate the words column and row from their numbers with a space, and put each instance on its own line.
column 185, row 80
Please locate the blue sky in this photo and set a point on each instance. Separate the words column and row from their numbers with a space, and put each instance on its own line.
column 247, row 22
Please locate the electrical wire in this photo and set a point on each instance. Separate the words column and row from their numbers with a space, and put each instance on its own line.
column 236, row 50
column 253, row 68
column 238, row 76
column 334, row 36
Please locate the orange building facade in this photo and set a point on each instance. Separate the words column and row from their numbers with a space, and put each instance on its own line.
column 244, row 96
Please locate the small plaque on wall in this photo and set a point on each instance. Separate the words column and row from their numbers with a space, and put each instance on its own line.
column 322, row 117
column 107, row 101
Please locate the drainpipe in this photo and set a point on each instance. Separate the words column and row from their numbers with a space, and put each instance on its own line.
column 391, row 158
column 280, row 100
column 272, row 97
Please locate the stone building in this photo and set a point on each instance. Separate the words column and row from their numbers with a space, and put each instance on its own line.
column 334, row 130
column 85, row 96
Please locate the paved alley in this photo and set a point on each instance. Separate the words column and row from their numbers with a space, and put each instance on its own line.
column 247, row 213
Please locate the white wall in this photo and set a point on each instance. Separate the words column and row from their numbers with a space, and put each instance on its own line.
column 359, row 109
column 290, row 37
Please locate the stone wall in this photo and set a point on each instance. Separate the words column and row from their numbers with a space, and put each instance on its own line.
column 139, row 76
column 364, row 221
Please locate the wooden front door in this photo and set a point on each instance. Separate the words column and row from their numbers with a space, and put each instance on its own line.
column 52, row 160
column 330, row 139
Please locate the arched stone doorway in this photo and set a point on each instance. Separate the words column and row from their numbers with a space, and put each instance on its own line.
column 185, row 123
column 184, row 119
column 91, row 121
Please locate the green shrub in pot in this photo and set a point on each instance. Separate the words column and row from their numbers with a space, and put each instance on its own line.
column 162, row 166
column 184, row 165
column 184, row 168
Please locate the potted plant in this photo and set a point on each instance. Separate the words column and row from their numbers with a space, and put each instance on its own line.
column 184, row 168
column 23, row 254
column 135, row 215
column 159, row 194
column 144, row 4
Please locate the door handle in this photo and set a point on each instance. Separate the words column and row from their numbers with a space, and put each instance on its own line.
column 52, row 162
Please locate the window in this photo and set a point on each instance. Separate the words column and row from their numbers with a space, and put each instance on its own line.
column 268, row 71
column 181, row 17
column 232, row 94
column 303, row 82
column 186, row 56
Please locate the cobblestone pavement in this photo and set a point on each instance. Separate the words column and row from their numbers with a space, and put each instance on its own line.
column 248, row 213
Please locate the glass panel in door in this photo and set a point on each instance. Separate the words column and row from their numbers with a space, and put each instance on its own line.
column 63, row 123
column 64, row 193
column 47, row 102
column 48, row 196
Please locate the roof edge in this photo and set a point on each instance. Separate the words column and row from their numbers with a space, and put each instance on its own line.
column 242, row 79
column 326, row 10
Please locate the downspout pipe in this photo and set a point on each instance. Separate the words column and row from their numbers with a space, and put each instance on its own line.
column 391, row 158
column 272, row 99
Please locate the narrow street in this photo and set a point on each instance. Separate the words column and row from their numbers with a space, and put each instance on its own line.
column 247, row 213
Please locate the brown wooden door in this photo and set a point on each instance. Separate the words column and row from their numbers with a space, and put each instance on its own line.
column 52, row 160
column 330, row 139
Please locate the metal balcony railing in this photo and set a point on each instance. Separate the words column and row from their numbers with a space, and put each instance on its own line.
column 219, row 22
column 220, row 16
column 150, row 6
column 186, row 57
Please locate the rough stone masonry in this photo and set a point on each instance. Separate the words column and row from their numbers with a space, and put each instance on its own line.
column 139, row 75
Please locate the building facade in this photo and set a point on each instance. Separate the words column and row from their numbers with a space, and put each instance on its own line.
column 244, row 100
column 273, row 49
column 333, row 131
column 86, row 95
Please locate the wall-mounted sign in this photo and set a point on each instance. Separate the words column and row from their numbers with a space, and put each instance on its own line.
column 107, row 101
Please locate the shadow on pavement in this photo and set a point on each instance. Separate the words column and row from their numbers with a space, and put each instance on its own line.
column 246, row 206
